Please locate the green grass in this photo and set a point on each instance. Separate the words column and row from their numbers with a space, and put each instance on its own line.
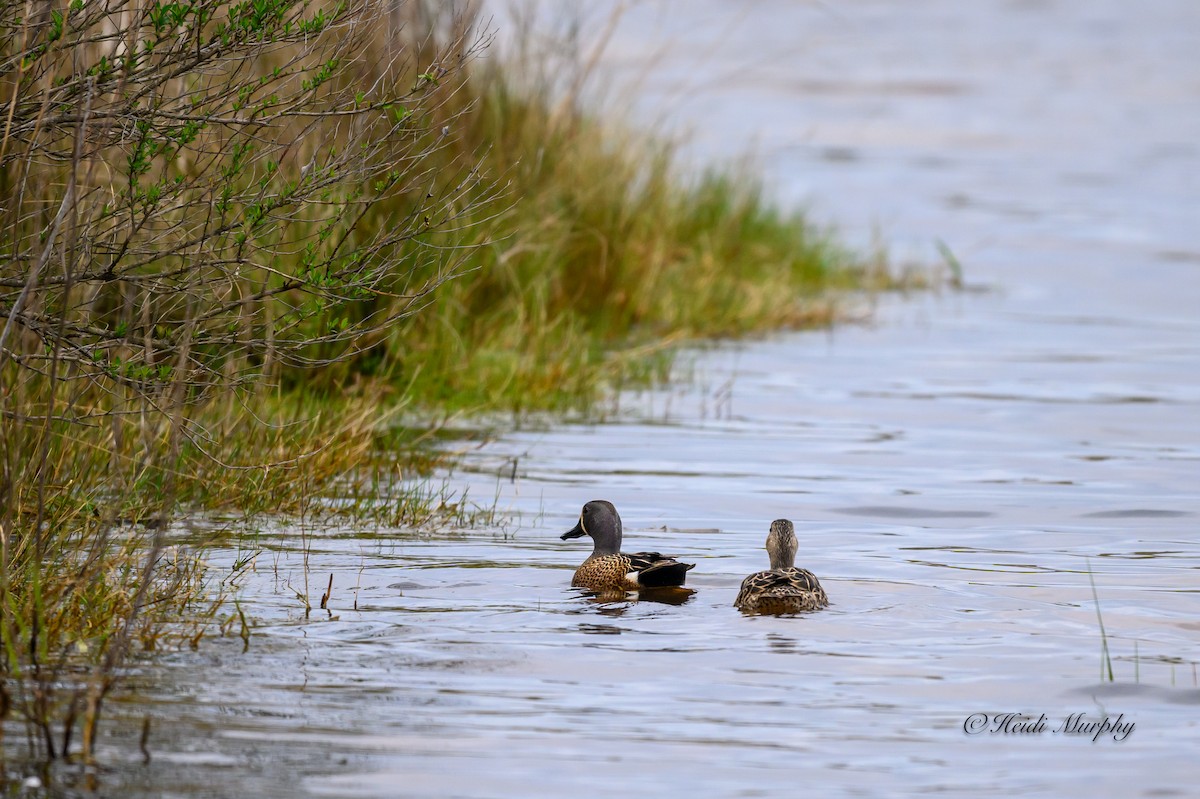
column 599, row 259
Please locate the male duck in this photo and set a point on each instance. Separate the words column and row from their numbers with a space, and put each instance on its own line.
column 608, row 569
column 783, row 589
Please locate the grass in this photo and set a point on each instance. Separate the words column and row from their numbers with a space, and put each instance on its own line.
column 108, row 578
column 599, row 260
column 1105, row 659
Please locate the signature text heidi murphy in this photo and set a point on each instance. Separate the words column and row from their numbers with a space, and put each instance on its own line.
column 1075, row 724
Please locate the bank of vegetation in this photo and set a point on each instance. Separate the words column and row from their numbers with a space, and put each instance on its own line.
column 239, row 239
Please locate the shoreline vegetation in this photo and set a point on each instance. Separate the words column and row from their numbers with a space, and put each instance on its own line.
column 242, row 239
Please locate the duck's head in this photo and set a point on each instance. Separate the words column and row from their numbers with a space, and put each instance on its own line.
column 598, row 519
column 781, row 544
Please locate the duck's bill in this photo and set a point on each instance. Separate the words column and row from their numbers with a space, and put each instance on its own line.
column 575, row 532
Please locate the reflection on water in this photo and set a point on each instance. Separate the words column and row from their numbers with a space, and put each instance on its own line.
column 955, row 471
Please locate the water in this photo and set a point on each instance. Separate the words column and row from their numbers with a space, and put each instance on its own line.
column 954, row 468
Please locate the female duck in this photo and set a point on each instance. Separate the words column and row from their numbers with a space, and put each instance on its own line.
column 783, row 589
column 608, row 569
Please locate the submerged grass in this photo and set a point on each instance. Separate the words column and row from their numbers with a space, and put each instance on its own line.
column 109, row 577
column 1105, row 658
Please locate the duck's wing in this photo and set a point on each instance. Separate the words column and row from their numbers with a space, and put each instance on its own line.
column 803, row 580
column 640, row 561
column 655, row 570
column 756, row 584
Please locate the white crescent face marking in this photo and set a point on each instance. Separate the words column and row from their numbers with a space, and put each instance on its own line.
column 583, row 526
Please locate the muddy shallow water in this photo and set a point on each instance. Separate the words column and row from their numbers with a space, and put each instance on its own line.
column 954, row 469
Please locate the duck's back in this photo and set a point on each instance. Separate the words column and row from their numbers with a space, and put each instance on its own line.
column 788, row 590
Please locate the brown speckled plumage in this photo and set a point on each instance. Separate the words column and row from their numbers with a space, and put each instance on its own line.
column 608, row 569
column 783, row 589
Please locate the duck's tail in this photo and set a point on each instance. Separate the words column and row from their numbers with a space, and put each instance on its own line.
column 664, row 573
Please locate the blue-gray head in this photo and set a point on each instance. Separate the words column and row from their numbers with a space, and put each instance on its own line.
column 781, row 544
column 598, row 519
